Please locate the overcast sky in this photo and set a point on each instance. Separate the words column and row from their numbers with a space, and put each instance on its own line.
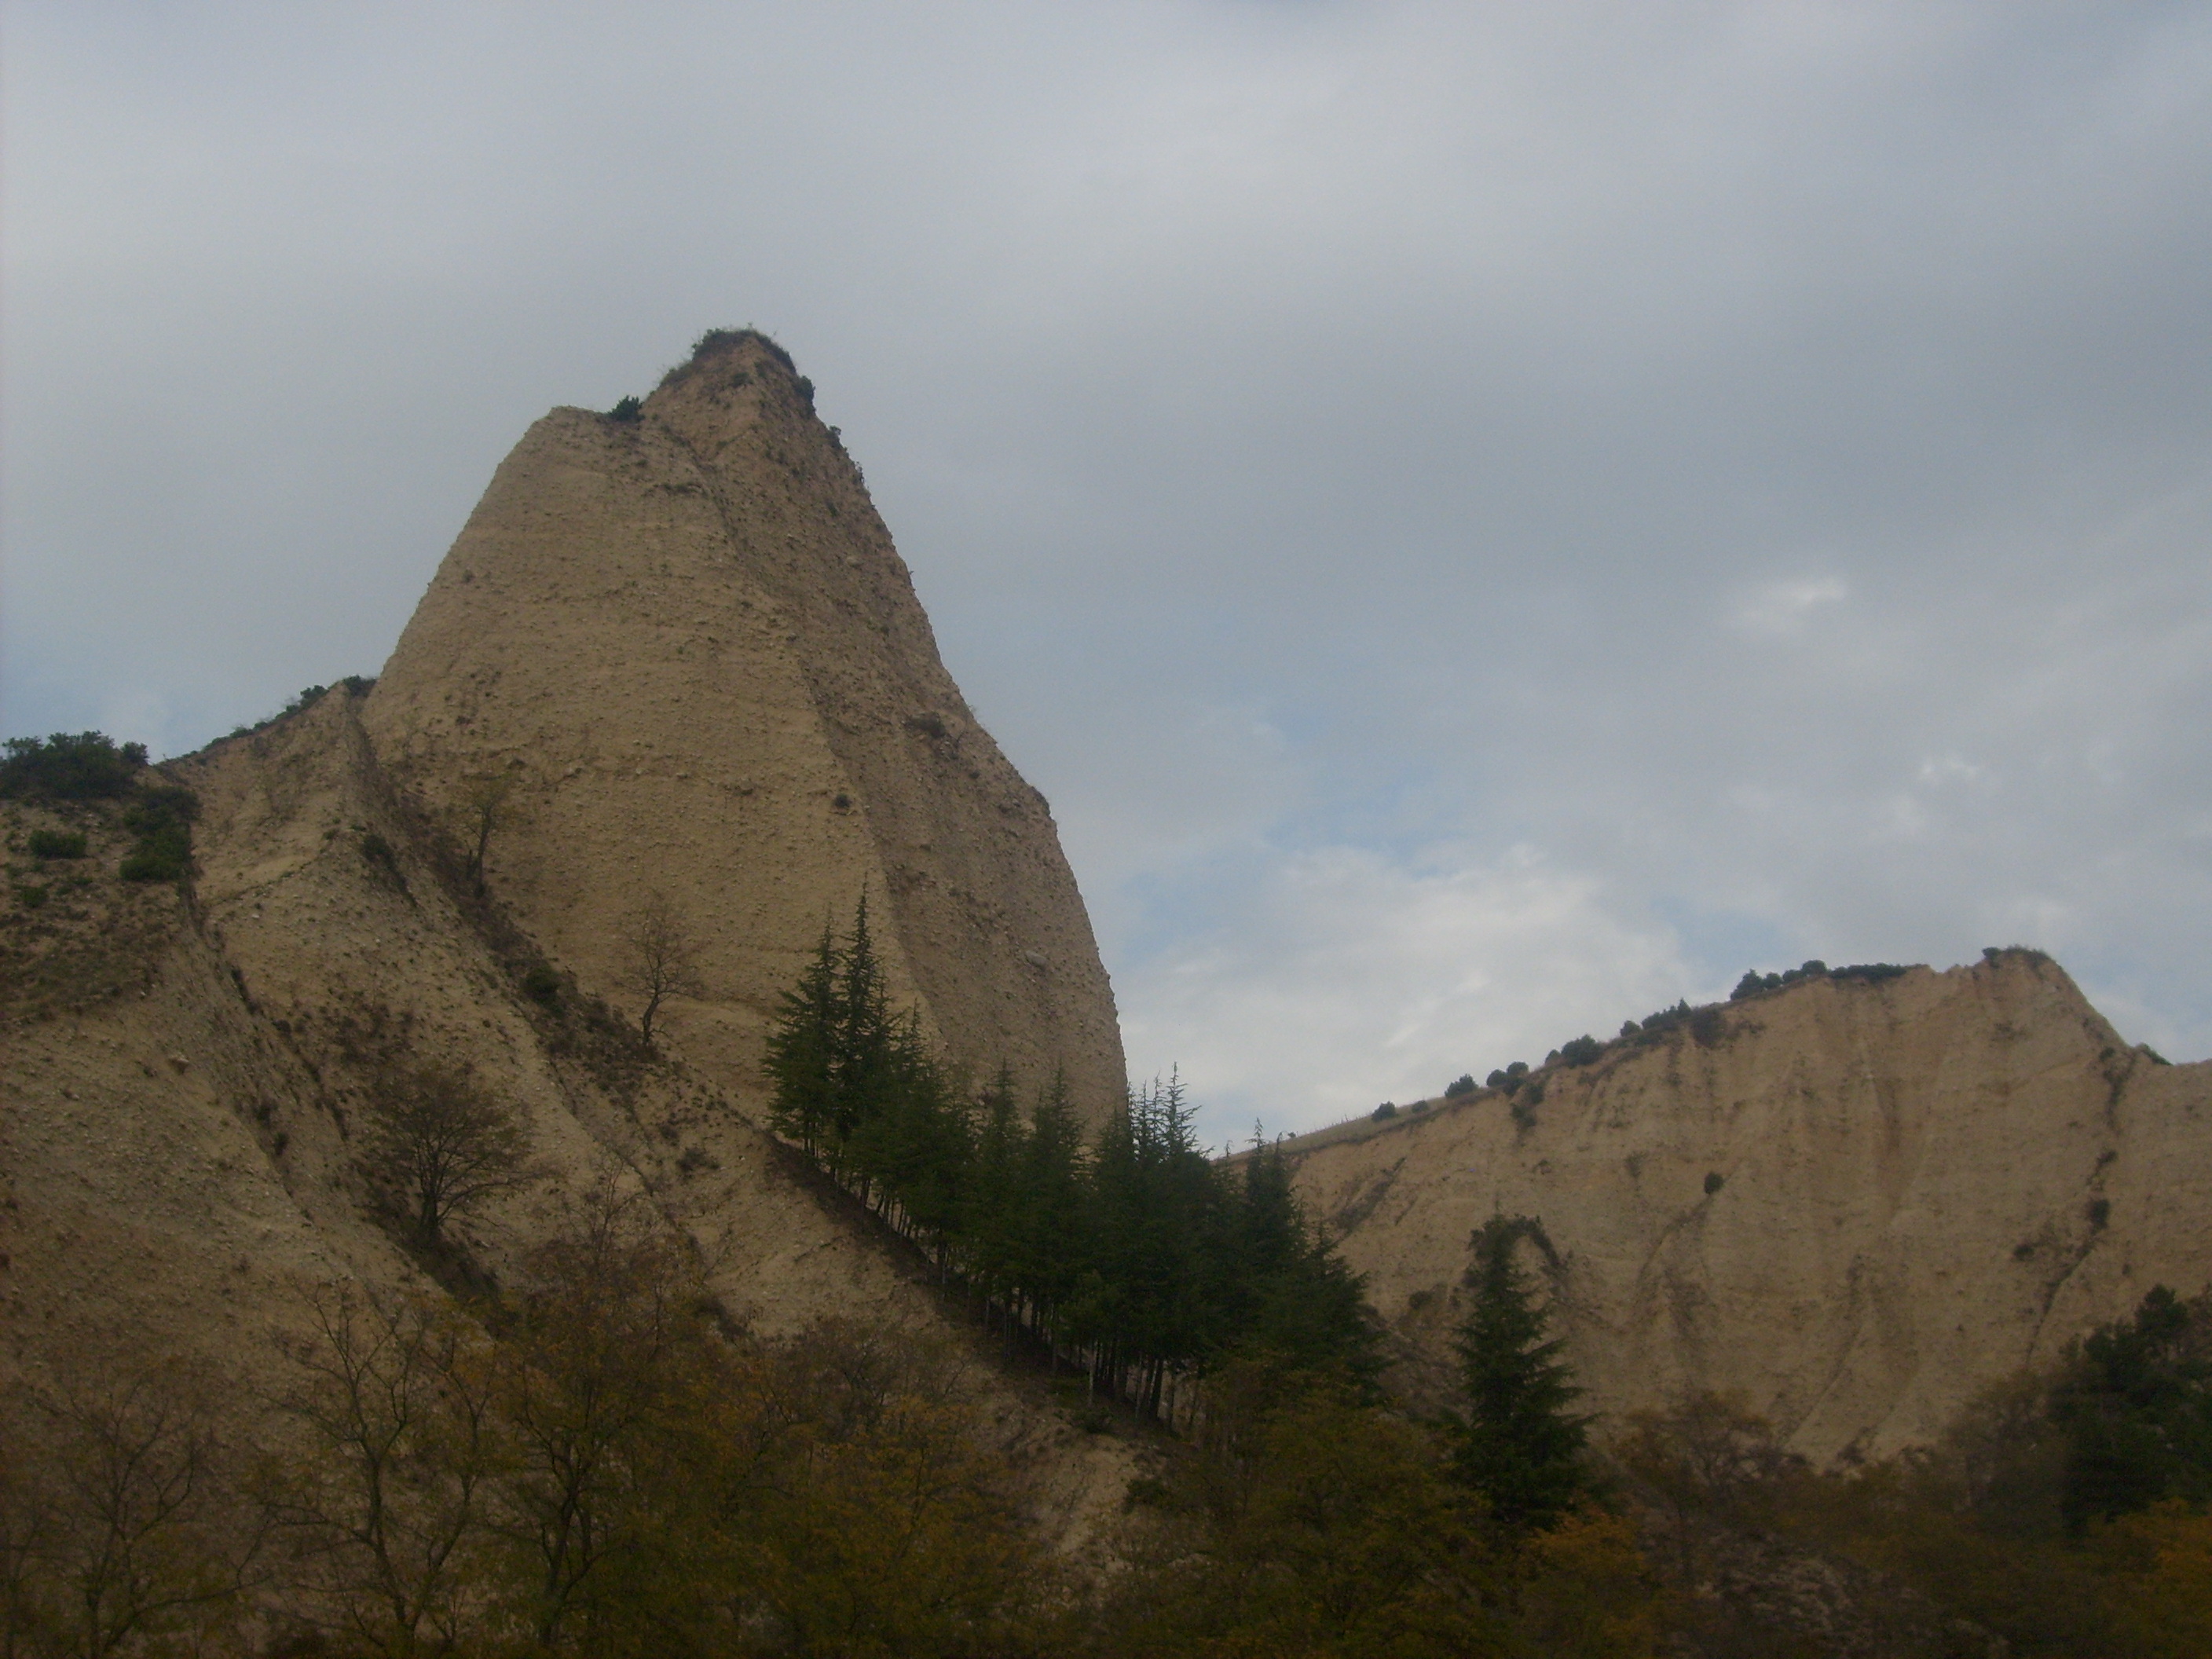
column 1482, row 519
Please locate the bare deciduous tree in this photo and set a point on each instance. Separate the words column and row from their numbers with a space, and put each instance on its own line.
column 120, row 1528
column 444, row 1139
column 605, row 1350
column 482, row 807
column 660, row 959
column 396, row 1396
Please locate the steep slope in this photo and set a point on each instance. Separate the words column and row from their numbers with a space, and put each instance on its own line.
column 685, row 648
column 1853, row 1205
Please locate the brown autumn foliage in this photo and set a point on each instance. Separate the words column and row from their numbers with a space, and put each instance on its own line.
column 599, row 1462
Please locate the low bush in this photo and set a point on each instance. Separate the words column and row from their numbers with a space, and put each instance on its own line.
column 1581, row 1051
column 1462, row 1085
column 56, row 844
column 626, row 411
column 1753, row 982
column 1526, row 1100
column 161, row 818
column 1387, row 1110
column 1871, row 973
column 541, row 984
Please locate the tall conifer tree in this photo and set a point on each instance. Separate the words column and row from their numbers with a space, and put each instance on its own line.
column 1518, row 1445
column 802, row 1052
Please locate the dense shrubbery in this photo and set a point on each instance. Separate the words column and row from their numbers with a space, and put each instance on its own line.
column 161, row 819
column 2135, row 1405
column 1134, row 1255
column 88, row 765
column 2067, row 1515
column 1581, row 1051
column 1302, row 1521
column 597, row 1461
column 1867, row 973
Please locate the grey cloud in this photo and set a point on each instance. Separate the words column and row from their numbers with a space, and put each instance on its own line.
column 1754, row 456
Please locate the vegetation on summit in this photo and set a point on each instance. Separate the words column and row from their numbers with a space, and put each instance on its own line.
column 85, row 766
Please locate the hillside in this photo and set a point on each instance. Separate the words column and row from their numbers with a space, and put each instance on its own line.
column 1851, row 1204
column 673, row 674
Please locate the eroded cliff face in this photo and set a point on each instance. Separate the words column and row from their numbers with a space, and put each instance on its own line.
column 1853, row 1206
column 685, row 649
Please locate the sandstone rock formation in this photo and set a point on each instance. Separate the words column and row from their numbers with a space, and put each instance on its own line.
column 685, row 647
column 677, row 656
column 674, row 656
column 1852, row 1204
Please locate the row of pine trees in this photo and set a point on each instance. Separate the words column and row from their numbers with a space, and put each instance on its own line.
column 1130, row 1252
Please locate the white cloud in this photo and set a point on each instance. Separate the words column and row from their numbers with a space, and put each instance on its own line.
column 1347, row 978
column 1780, row 609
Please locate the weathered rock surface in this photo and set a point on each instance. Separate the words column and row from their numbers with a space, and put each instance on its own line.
column 686, row 648
column 1852, row 1204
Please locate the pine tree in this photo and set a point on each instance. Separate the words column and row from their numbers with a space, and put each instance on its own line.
column 917, row 1145
column 802, row 1052
column 990, row 1214
column 1518, row 1445
column 1054, row 1215
column 1287, row 1294
column 864, row 1059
